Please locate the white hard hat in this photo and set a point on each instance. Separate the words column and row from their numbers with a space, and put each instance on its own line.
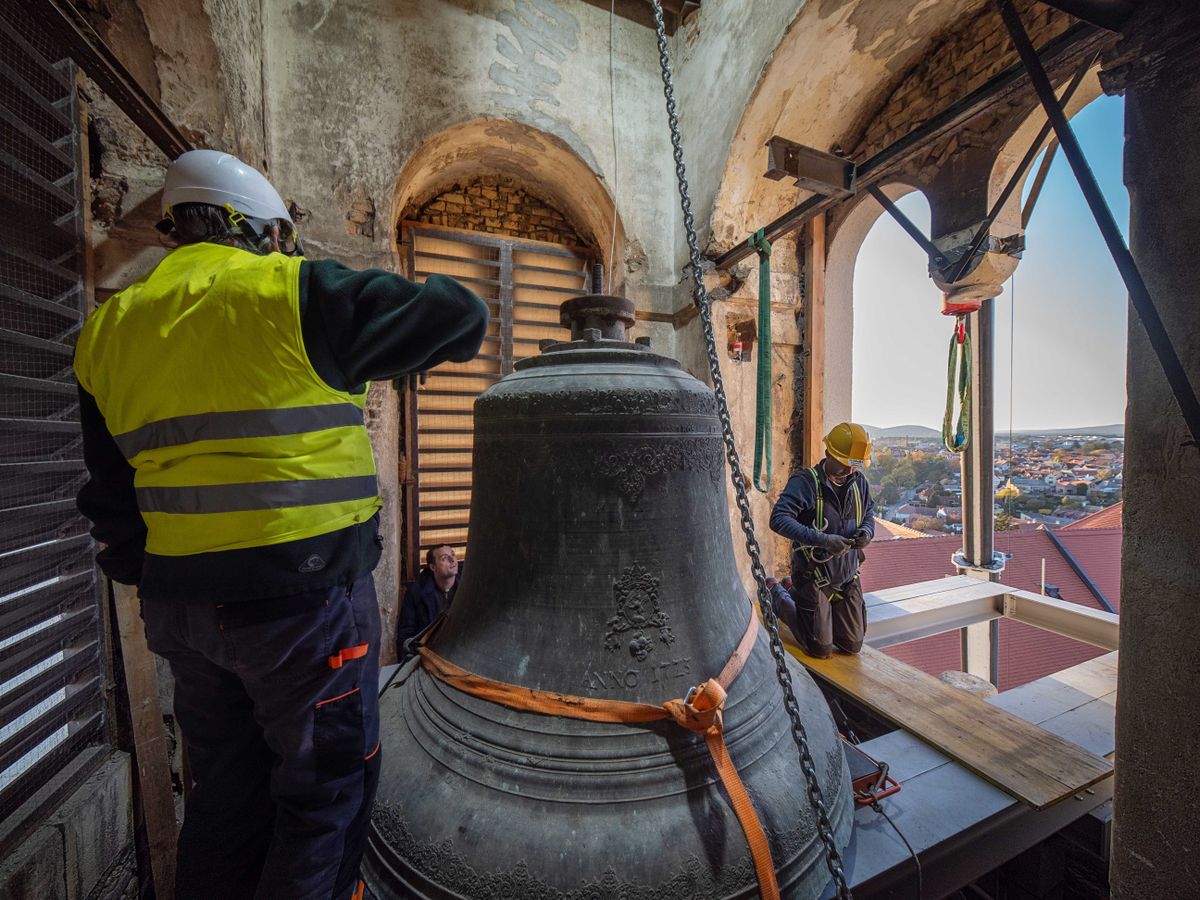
column 209, row 176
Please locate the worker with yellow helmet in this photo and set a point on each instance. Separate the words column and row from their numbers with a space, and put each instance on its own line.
column 827, row 513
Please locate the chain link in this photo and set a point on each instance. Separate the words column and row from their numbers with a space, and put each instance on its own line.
column 833, row 858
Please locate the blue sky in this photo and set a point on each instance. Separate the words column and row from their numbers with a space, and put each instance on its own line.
column 1069, row 314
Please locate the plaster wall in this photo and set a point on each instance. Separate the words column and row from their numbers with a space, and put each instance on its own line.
column 359, row 87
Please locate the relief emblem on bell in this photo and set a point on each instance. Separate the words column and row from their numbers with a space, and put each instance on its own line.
column 600, row 576
column 637, row 600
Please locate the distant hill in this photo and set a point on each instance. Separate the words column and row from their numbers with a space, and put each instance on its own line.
column 903, row 431
column 920, row 432
column 1090, row 431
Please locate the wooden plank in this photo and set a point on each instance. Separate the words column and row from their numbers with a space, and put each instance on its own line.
column 150, row 741
column 1021, row 759
column 814, row 343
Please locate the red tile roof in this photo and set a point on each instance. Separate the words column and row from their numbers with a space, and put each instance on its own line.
column 1026, row 653
column 1109, row 517
column 1098, row 552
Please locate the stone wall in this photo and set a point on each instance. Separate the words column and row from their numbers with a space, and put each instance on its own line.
column 973, row 50
column 498, row 206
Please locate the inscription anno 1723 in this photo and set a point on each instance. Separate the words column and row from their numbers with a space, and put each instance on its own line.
column 664, row 673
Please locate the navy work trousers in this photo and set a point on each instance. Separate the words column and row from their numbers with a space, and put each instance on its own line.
column 278, row 703
column 823, row 618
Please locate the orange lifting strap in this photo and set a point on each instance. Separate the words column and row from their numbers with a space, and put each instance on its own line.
column 700, row 712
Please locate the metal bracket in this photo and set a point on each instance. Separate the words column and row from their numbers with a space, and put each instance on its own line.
column 959, row 560
column 821, row 173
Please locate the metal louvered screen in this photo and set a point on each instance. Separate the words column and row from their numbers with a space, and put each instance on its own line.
column 51, row 700
column 523, row 283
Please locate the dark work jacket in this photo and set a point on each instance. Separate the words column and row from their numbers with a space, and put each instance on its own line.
column 358, row 326
column 421, row 606
column 795, row 513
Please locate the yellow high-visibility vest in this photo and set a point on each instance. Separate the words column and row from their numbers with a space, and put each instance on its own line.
column 202, row 377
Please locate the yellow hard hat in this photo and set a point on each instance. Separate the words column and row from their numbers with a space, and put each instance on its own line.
column 849, row 444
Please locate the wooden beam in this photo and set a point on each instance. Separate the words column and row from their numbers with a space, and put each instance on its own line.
column 1033, row 765
column 408, row 465
column 149, row 741
column 813, row 304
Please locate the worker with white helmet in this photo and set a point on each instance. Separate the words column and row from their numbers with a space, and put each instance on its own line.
column 232, row 480
column 827, row 513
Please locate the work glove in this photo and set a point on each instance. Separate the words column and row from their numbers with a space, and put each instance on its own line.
column 861, row 538
column 834, row 544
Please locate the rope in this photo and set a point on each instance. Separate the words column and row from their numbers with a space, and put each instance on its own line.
column 762, row 405
column 700, row 712
column 612, row 118
column 958, row 371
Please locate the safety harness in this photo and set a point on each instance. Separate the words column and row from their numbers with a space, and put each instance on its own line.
column 700, row 711
column 820, row 524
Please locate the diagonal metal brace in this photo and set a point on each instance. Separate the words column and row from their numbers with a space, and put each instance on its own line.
column 1139, row 294
column 1022, row 167
column 936, row 257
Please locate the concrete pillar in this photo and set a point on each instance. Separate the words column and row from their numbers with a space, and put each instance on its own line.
column 1156, row 851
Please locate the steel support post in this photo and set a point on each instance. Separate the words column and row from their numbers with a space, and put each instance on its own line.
column 980, row 642
column 980, row 648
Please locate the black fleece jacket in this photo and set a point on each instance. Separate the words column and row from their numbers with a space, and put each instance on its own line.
column 794, row 517
column 358, row 326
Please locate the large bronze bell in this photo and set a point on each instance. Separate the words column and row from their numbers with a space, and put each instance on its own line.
column 599, row 565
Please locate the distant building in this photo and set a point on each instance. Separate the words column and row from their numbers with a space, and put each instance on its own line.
column 910, row 511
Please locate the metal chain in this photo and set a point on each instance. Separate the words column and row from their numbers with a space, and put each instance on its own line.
column 833, row 858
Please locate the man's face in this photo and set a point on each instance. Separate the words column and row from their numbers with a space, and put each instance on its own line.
column 445, row 564
column 837, row 473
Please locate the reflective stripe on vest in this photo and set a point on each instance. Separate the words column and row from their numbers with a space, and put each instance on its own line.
column 202, row 377
column 216, row 426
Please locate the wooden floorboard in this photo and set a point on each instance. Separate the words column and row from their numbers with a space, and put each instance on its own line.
column 1016, row 756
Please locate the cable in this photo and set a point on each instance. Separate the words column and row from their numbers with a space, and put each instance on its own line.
column 1012, row 343
column 612, row 109
column 900, row 834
